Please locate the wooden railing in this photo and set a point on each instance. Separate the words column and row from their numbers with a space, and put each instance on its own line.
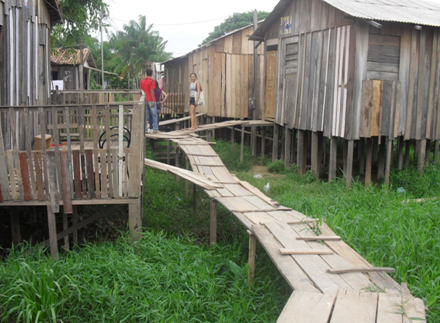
column 91, row 97
column 175, row 104
column 71, row 152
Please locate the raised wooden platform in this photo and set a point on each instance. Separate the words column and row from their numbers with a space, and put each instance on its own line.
column 331, row 282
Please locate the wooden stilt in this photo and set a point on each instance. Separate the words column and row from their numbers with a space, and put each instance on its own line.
column 301, row 152
column 65, row 226
column 287, row 147
column 421, row 156
column 135, row 219
column 242, row 144
column 314, row 154
column 75, row 220
column 427, row 152
column 344, row 155
column 186, row 181
column 213, row 130
column 349, row 173
column 177, row 161
column 382, row 158
column 276, row 132
column 361, row 155
column 168, row 152
column 254, row 144
column 52, row 232
column 15, row 225
column 389, row 157
column 333, row 159
column 294, row 145
column 400, row 148
column 283, row 144
column 375, row 150
column 368, row 161
column 213, row 223
column 436, row 143
column 232, row 139
column 263, row 142
column 407, row 150
column 252, row 253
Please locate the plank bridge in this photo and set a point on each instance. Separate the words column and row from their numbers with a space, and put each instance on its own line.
column 331, row 282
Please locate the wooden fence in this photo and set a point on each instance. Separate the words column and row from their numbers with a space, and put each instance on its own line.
column 175, row 104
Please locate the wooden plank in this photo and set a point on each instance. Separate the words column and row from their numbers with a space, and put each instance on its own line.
column 319, row 238
column 287, row 251
column 39, row 175
column 27, row 189
column 360, row 270
column 312, row 265
column 96, row 135
column 12, row 177
column 77, row 174
column 53, row 191
column 307, row 307
column 388, row 308
column 15, row 164
column 29, row 151
column 290, row 270
column 355, row 304
column 413, row 308
column 65, row 181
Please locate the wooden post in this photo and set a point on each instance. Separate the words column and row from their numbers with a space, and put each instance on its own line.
column 283, row 144
column 314, row 154
column 168, row 152
column 52, row 232
column 421, row 156
column 276, row 133
column 15, row 225
column 369, row 162
column 252, row 253
column 177, row 161
column 400, row 144
column 65, row 226
column 213, row 130
column 388, row 161
column 287, row 148
column 135, row 219
column 254, row 143
column 232, row 139
column 407, row 149
column 186, row 181
column 427, row 152
column 349, row 170
column 301, row 153
column 242, row 143
column 382, row 157
column 333, row 158
column 213, row 223
column 263, row 141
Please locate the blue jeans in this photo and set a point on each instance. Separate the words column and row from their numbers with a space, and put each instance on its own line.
column 151, row 116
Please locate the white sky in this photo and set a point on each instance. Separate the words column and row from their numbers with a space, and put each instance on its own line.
column 184, row 24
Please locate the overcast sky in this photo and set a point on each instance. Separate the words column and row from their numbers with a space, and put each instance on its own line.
column 184, row 24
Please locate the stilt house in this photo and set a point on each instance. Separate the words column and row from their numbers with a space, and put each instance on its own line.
column 224, row 67
column 357, row 70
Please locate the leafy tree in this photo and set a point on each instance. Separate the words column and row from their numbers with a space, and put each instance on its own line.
column 80, row 17
column 236, row 21
column 136, row 48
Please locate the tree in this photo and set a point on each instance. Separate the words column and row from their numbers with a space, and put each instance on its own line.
column 137, row 47
column 80, row 17
column 236, row 21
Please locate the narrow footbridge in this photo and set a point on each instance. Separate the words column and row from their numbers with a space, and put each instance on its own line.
column 330, row 281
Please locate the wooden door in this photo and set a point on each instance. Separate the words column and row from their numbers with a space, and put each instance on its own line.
column 269, row 102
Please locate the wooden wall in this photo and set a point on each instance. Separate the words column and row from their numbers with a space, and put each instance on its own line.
column 347, row 79
column 225, row 70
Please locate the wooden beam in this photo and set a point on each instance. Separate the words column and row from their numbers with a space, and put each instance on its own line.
column 319, row 238
column 333, row 159
column 213, row 222
column 349, row 171
column 360, row 270
column 287, row 251
column 276, row 133
column 53, row 240
column 314, row 154
column 369, row 162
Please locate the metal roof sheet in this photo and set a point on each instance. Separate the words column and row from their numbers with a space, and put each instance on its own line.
column 405, row 11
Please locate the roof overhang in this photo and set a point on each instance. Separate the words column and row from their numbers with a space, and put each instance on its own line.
column 55, row 14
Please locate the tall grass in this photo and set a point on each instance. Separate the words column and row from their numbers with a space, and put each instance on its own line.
column 377, row 222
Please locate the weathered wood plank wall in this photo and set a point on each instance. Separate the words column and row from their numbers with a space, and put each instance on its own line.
column 345, row 78
column 224, row 67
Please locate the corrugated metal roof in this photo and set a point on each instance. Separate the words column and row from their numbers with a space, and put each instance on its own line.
column 406, row 11
column 71, row 56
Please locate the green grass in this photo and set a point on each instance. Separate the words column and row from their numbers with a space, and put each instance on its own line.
column 171, row 275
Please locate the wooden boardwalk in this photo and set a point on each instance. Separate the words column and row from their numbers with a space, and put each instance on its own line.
column 331, row 282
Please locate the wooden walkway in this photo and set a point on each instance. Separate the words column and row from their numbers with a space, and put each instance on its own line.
column 331, row 282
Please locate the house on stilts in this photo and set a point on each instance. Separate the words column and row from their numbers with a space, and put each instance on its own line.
column 365, row 74
column 64, row 149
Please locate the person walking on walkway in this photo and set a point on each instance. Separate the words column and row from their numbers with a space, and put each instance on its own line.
column 194, row 94
column 148, row 85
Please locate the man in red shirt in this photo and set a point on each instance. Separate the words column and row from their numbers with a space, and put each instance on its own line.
column 148, row 84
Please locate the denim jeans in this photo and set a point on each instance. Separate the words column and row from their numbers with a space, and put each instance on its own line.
column 151, row 116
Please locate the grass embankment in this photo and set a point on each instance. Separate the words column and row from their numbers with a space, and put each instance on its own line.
column 174, row 277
